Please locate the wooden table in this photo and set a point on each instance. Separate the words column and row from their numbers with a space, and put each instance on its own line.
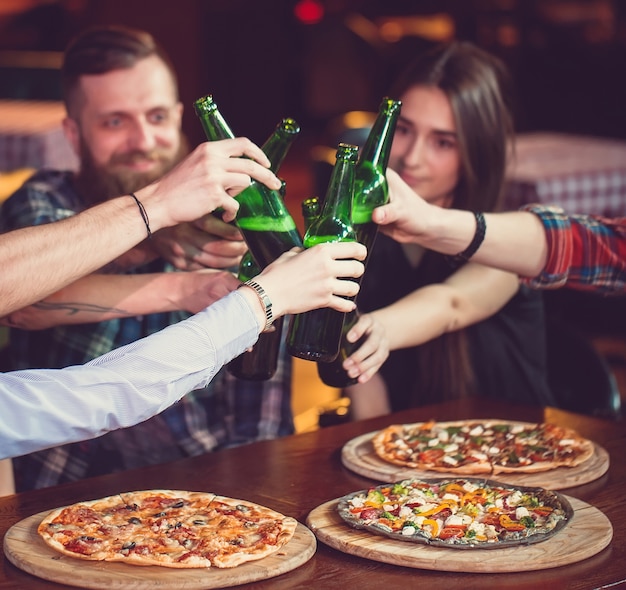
column 299, row 473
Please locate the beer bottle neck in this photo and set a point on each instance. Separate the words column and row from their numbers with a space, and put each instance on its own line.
column 214, row 125
column 378, row 144
column 278, row 144
column 310, row 211
column 335, row 217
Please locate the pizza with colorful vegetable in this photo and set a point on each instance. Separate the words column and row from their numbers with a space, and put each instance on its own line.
column 458, row 513
column 174, row 529
column 474, row 447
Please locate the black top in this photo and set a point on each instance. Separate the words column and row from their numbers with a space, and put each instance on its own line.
column 507, row 351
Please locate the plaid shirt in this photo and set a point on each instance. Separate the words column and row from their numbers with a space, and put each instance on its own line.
column 229, row 412
column 584, row 252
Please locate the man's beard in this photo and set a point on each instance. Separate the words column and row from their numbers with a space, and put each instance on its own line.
column 100, row 183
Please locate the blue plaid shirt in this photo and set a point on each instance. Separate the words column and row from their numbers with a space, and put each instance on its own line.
column 229, row 412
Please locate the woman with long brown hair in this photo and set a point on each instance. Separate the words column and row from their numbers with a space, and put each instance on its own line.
column 455, row 328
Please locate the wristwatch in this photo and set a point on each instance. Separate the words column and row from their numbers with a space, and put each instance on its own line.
column 265, row 302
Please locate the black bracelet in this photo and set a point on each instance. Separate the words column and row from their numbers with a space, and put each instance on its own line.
column 479, row 236
column 144, row 215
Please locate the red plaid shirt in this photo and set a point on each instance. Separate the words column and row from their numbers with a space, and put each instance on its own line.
column 584, row 251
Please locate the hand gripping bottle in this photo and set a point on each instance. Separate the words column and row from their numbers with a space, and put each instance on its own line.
column 315, row 335
column 370, row 191
column 263, row 218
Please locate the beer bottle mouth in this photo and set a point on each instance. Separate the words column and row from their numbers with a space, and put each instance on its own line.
column 205, row 104
column 290, row 126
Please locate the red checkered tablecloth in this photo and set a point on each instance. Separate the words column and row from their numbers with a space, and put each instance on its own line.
column 581, row 174
column 31, row 136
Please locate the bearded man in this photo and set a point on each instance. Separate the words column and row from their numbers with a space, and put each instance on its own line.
column 124, row 122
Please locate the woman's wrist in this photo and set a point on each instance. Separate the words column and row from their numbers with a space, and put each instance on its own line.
column 449, row 231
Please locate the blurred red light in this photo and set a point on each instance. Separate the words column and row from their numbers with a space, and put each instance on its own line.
column 309, row 12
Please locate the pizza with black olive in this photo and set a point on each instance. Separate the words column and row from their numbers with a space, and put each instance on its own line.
column 176, row 529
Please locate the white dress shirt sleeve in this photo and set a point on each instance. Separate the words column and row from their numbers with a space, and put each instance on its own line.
column 42, row 408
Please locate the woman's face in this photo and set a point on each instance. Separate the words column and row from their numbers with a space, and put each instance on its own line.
column 425, row 150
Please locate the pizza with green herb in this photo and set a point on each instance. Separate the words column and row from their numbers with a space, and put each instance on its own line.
column 474, row 447
column 458, row 513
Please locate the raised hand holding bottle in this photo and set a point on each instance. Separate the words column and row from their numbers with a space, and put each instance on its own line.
column 370, row 191
column 315, row 335
column 263, row 218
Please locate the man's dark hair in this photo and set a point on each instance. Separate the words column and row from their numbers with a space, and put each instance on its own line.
column 102, row 49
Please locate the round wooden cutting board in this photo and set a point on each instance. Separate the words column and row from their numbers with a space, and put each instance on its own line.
column 25, row 549
column 588, row 533
column 359, row 456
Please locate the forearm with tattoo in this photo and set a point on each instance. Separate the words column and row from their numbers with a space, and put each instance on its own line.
column 67, row 309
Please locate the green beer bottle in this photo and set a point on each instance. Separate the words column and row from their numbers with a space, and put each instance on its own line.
column 315, row 335
column 263, row 218
column 215, row 128
column 259, row 363
column 370, row 191
column 333, row 374
column 370, row 184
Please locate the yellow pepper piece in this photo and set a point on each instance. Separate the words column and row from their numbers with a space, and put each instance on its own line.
column 510, row 525
column 436, row 509
column 466, row 498
column 455, row 488
column 473, row 496
column 433, row 524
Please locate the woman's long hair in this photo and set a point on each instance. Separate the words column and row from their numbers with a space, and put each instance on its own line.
column 478, row 87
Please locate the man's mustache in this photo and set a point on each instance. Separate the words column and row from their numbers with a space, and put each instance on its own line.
column 138, row 156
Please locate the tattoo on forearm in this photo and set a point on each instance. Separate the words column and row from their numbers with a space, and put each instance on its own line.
column 72, row 308
column 16, row 320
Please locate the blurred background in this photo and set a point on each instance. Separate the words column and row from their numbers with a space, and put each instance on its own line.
column 315, row 59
